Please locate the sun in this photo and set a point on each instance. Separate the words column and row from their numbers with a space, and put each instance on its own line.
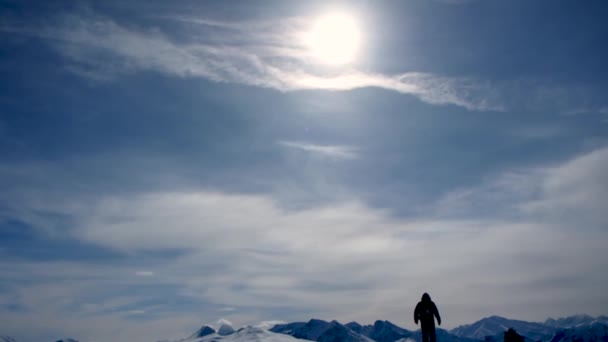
column 334, row 38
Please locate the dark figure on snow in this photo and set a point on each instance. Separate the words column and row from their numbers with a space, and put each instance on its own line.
column 512, row 336
column 425, row 312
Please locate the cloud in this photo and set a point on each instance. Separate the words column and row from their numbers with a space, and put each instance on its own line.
column 601, row 110
column 569, row 194
column 329, row 261
column 334, row 151
column 575, row 192
column 526, row 243
column 545, row 223
column 329, row 258
column 223, row 321
column 499, row 196
column 137, row 312
column 254, row 53
column 83, row 300
column 267, row 325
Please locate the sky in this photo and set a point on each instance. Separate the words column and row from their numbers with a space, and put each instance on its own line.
column 166, row 165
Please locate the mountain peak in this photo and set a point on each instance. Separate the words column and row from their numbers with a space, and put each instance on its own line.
column 572, row 321
column 380, row 331
column 494, row 325
column 321, row 331
column 225, row 329
column 203, row 331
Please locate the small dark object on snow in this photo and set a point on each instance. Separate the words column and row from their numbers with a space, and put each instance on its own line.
column 512, row 336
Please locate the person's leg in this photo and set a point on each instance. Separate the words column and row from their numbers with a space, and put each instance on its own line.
column 432, row 336
column 425, row 335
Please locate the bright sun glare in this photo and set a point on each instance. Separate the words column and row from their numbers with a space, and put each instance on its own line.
column 334, row 38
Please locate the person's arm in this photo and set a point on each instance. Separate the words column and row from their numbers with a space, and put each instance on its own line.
column 436, row 313
column 417, row 313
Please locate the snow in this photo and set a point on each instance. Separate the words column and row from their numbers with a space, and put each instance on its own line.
column 247, row 334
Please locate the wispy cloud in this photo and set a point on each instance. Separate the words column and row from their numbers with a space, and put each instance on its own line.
column 335, row 151
column 574, row 193
column 567, row 194
column 602, row 111
column 270, row 55
column 456, row 2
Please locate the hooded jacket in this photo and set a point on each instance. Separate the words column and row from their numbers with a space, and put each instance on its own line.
column 426, row 311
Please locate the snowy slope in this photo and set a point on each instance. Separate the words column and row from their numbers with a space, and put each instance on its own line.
column 247, row 334
column 444, row 336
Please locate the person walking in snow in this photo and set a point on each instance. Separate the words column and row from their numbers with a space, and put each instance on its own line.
column 425, row 312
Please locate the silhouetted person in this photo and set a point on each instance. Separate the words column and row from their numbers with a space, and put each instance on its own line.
column 512, row 336
column 425, row 312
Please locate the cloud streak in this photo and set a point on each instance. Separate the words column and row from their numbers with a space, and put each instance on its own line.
column 255, row 53
column 334, row 151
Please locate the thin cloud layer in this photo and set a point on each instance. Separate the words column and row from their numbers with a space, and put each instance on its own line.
column 256, row 54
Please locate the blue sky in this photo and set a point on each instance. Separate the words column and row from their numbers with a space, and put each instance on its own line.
column 165, row 165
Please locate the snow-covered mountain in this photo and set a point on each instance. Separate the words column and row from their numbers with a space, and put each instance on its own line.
column 575, row 321
column 385, row 331
column 225, row 330
column 247, row 334
column 380, row 331
column 579, row 328
column 589, row 332
column 320, row 331
column 202, row 332
column 495, row 325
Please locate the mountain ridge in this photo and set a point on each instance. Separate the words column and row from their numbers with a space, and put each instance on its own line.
column 576, row 328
